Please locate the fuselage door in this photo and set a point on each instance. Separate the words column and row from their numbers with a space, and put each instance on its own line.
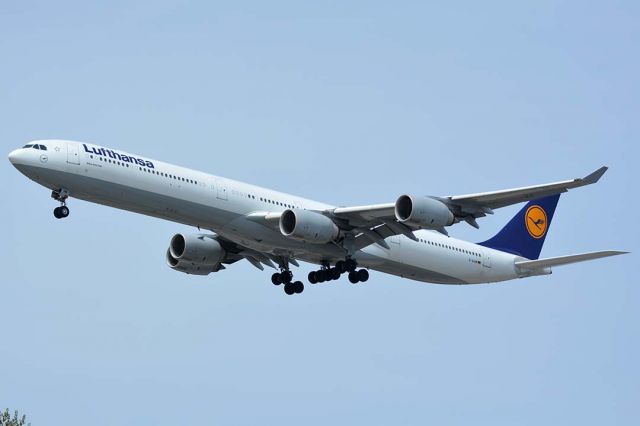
column 221, row 186
column 73, row 153
column 486, row 259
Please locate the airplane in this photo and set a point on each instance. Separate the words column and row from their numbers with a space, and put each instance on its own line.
column 406, row 238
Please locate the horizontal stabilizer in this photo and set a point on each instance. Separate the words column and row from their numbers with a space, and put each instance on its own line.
column 565, row 260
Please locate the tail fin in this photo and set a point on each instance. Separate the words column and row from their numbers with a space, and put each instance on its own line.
column 524, row 234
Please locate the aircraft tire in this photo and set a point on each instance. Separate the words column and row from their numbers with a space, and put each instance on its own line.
column 275, row 279
column 334, row 273
column 286, row 277
column 350, row 265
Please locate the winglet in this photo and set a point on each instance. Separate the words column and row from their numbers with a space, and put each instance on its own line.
column 595, row 176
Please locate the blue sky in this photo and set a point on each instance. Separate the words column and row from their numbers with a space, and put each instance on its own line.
column 348, row 103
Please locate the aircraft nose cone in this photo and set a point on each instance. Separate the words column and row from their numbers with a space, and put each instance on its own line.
column 14, row 155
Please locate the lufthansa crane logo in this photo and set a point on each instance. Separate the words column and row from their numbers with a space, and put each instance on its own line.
column 536, row 221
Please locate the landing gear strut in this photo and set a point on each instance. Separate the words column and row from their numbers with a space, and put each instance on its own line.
column 60, row 195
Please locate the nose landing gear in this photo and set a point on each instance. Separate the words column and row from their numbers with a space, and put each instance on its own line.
column 60, row 195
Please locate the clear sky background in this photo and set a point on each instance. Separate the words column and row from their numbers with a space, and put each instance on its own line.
column 347, row 103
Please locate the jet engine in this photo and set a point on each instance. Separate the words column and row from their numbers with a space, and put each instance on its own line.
column 423, row 212
column 195, row 254
column 308, row 226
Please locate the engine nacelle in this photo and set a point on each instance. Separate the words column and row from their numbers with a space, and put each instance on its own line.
column 196, row 248
column 307, row 226
column 190, row 267
column 423, row 212
column 195, row 254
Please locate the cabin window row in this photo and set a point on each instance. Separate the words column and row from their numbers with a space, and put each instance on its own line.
column 108, row 160
column 278, row 203
column 167, row 175
column 471, row 253
column 144, row 169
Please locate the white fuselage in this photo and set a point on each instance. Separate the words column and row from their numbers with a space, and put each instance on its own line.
column 225, row 206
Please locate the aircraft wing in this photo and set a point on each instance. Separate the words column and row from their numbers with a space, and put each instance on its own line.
column 373, row 223
column 507, row 197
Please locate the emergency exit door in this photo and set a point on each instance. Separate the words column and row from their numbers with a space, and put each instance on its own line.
column 73, row 153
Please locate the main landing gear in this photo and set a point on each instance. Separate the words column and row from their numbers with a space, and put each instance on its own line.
column 286, row 277
column 60, row 195
column 327, row 273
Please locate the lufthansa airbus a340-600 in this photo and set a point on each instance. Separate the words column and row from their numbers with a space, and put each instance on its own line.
column 407, row 238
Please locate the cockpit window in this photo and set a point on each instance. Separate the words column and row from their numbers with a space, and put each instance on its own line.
column 29, row 145
column 42, row 147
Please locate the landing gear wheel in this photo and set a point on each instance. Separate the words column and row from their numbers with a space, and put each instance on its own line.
column 275, row 279
column 363, row 275
column 61, row 212
column 341, row 266
column 289, row 289
column 321, row 275
column 286, row 277
column 298, row 287
column 313, row 278
column 350, row 265
column 353, row 277
column 335, row 273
